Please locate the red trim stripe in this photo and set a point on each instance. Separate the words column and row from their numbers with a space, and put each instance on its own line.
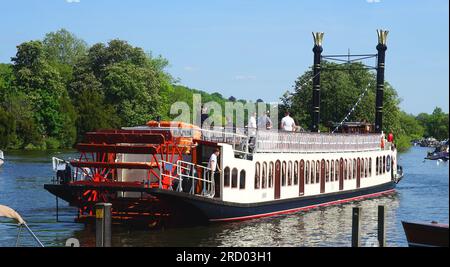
column 304, row 208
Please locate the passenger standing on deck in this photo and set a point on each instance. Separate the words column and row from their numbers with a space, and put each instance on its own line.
column 252, row 125
column 204, row 114
column 264, row 122
column 213, row 164
column 288, row 123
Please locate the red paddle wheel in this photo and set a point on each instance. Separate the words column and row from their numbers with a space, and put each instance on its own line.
column 109, row 157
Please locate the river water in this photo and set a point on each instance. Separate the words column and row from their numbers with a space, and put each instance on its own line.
column 423, row 195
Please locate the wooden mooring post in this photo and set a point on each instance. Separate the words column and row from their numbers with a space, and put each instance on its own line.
column 356, row 226
column 381, row 226
column 103, row 224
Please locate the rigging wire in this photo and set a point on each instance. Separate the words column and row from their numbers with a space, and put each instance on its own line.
column 353, row 108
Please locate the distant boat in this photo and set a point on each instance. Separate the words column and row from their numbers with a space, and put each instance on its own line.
column 426, row 234
column 440, row 153
column 2, row 158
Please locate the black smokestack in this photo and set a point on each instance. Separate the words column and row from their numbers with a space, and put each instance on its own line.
column 381, row 47
column 318, row 37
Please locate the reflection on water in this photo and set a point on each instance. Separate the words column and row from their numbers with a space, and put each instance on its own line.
column 422, row 196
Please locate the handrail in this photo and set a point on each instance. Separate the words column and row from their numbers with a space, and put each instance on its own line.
column 183, row 166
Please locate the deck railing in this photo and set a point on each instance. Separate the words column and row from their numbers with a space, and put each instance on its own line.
column 269, row 141
column 252, row 141
column 188, row 175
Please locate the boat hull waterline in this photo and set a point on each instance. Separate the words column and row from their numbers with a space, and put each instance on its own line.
column 214, row 210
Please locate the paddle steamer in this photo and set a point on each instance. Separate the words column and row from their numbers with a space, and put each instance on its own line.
column 160, row 170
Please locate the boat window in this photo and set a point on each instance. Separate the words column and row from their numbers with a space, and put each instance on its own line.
column 366, row 168
column 345, row 169
column 234, row 178
column 384, row 164
column 327, row 171
column 362, row 168
column 313, row 172
column 370, row 167
column 376, row 166
column 289, row 171
column 317, row 172
column 296, row 173
column 283, row 174
column 350, row 169
column 307, row 172
column 242, row 180
column 337, row 170
column 226, row 177
column 264, row 176
column 271, row 175
column 332, row 171
column 257, row 174
column 355, row 168
column 380, row 171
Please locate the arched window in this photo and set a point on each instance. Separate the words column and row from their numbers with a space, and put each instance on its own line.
column 327, row 171
column 366, row 169
column 283, row 174
column 234, row 178
column 345, row 169
column 332, row 171
column 337, row 170
column 381, row 166
column 264, row 176
column 271, row 175
column 242, row 180
column 376, row 166
column 384, row 164
column 362, row 168
column 226, row 177
column 313, row 171
column 257, row 174
column 289, row 171
column 350, row 169
column 317, row 172
column 296, row 173
column 355, row 168
column 370, row 167
column 307, row 172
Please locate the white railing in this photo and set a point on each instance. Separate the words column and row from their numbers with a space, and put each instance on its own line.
column 188, row 172
column 237, row 137
column 274, row 141
column 267, row 141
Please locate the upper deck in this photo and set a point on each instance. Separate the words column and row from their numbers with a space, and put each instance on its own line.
column 274, row 141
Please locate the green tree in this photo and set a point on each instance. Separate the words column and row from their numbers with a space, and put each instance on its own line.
column 63, row 50
column 7, row 128
column 43, row 88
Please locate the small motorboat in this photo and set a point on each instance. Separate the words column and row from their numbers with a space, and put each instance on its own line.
column 2, row 158
column 12, row 214
column 426, row 234
column 440, row 153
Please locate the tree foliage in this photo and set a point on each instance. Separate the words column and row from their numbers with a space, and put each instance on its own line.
column 59, row 88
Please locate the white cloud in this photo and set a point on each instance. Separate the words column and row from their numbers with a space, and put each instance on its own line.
column 373, row 1
column 244, row 77
column 73, row 1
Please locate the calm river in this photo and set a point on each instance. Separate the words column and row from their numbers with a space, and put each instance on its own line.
column 422, row 195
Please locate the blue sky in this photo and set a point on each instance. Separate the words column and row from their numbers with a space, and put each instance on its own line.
column 253, row 48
